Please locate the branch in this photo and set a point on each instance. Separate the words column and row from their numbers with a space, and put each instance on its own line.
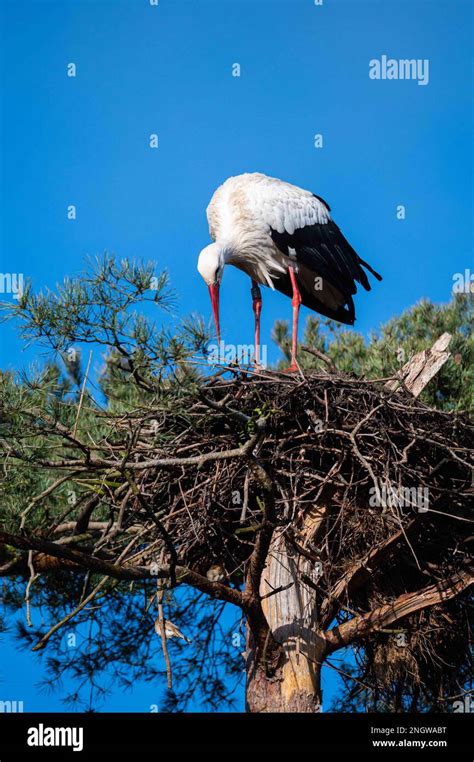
column 143, row 465
column 421, row 368
column 364, row 624
column 164, row 643
column 360, row 572
column 267, row 650
column 75, row 558
column 81, row 400
column 320, row 355
column 44, row 640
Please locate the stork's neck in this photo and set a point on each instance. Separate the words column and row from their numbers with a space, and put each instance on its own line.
column 228, row 250
column 255, row 253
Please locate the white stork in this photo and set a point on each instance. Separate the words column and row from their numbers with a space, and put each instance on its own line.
column 282, row 236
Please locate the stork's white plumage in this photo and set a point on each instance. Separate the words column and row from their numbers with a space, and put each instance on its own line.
column 283, row 237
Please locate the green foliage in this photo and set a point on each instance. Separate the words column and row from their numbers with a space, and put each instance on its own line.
column 138, row 367
column 113, row 645
column 138, row 370
column 396, row 342
column 136, row 364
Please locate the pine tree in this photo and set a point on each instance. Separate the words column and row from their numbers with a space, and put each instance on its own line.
column 142, row 497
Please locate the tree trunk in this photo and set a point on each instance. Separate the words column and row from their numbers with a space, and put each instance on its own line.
column 295, row 686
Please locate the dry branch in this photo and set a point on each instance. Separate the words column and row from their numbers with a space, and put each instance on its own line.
column 365, row 495
column 362, row 625
column 421, row 368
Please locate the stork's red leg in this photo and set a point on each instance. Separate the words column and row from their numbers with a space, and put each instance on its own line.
column 296, row 302
column 257, row 308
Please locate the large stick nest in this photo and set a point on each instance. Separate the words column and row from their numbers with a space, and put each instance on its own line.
column 370, row 494
column 375, row 462
column 372, row 486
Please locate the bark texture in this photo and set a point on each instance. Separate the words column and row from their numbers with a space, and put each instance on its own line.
column 294, row 686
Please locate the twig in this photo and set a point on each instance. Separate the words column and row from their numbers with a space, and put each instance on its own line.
column 164, row 642
column 44, row 640
column 81, row 399
column 320, row 355
column 31, row 580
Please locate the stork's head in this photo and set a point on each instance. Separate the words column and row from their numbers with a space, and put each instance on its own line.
column 211, row 266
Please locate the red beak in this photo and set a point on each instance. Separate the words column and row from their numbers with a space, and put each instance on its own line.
column 214, row 294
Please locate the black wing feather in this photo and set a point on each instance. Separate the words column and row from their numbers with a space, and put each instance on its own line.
column 344, row 313
column 322, row 250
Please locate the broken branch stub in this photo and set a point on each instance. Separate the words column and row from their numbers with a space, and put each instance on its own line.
column 421, row 368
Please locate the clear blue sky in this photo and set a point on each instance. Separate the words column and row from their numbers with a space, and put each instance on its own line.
column 168, row 70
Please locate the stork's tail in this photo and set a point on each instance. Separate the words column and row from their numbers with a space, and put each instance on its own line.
column 369, row 268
